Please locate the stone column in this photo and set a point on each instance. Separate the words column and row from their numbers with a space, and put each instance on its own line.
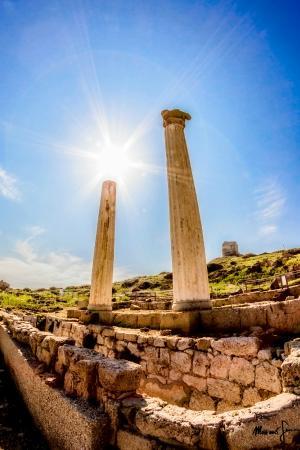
column 102, row 274
column 190, row 278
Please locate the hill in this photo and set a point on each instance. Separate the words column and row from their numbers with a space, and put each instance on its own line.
column 227, row 276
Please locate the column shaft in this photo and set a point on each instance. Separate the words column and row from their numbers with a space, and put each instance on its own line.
column 102, row 273
column 190, row 278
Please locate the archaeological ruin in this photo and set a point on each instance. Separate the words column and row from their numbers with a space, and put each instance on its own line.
column 188, row 372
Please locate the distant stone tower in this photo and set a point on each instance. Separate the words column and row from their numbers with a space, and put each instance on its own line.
column 230, row 248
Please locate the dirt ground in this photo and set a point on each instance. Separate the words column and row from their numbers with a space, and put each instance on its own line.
column 17, row 429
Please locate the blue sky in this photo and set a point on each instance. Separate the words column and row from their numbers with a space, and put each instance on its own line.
column 77, row 75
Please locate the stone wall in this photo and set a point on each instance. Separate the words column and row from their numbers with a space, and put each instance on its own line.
column 136, row 421
column 284, row 316
column 198, row 373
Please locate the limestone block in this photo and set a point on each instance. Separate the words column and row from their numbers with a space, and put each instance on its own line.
column 224, row 389
column 174, row 393
column 237, row 346
column 200, row 363
column 142, row 339
column 253, row 315
column 185, row 343
column 172, row 342
column 251, row 396
column 284, row 316
column 119, row 375
column 265, row 354
column 241, row 371
column 44, row 356
column 151, row 353
column 268, row 377
column 226, row 318
column 109, row 332
column 219, row 366
column 164, row 356
column 175, row 375
column 273, row 423
column 181, row 361
column 224, row 406
column 80, row 379
column 200, row 402
column 203, row 343
column 291, row 372
column 172, row 424
column 133, row 348
column 100, row 339
column 158, row 342
column 195, row 382
column 127, row 440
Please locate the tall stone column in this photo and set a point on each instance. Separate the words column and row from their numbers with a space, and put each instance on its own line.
column 190, row 278
column 102, row 274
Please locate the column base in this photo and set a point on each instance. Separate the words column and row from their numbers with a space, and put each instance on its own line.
column 99, row 308
column 190, row 305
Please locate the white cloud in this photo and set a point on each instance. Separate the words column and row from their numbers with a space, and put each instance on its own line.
column 8, row 186
column 32, row 268
column 267, row 230
column 270, row 201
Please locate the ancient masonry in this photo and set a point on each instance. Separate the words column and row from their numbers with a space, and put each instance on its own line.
column 211, row 374
column 230, row 248
column 254, row 389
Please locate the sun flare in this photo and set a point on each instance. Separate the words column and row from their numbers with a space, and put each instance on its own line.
column 113, row 162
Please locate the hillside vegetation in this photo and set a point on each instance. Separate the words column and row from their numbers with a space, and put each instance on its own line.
column 226, row 276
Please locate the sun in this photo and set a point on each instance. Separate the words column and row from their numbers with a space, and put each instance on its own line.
column 113, row 162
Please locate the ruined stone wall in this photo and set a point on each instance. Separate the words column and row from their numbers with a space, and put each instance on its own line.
column 203, row 373
column 141, row 422
column 255, row 296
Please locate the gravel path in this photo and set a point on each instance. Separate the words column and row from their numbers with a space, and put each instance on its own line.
column 17, row 429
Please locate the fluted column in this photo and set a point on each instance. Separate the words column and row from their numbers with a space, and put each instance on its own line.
column 190, row 278
column 102, row 274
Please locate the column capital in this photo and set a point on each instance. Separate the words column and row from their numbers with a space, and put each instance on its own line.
column 174, row 116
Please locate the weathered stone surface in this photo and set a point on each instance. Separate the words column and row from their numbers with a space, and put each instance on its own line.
column 267, row 377
column 80, row 379
column 224, row 389
column 237, row 346
column 159, row 342
column 127, row 440
column 65, row 423
column 265, row 354
column 119, row 375
column 273, row 423
column 195, row 382
column 174, row 375
column 171, row 394
column 224, row 406
column 203, row 343
column 219, row 366
column 185, row 343
column 200, row 364
column 172, row 424
column 181, row 361
column 284, row 316
column 291, row 371
column 250, row 397
column 241, row 371
column 199, row 402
